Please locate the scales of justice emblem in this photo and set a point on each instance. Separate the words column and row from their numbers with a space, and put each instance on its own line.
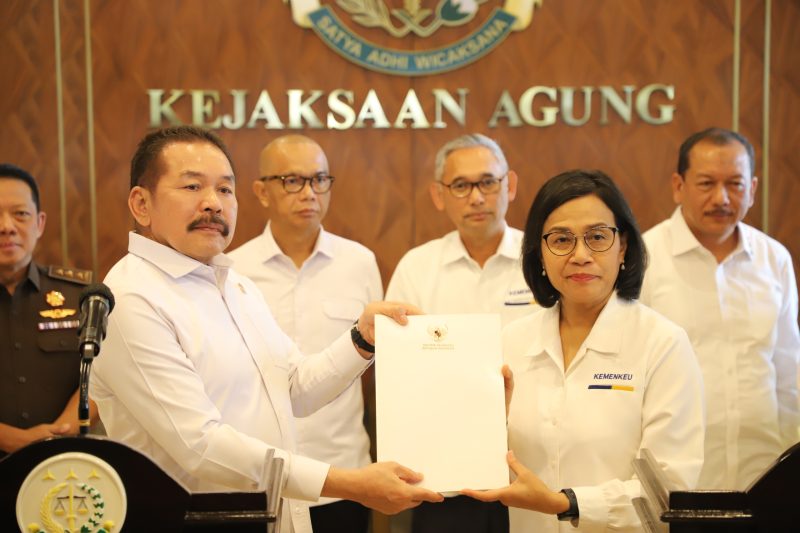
column 416, row 18
column 72, row 492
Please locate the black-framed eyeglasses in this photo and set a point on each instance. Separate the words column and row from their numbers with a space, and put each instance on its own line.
column 563, row 242
column 462, row 188
column 292, row 183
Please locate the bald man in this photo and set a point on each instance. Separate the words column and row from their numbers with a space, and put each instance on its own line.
column 316, row 285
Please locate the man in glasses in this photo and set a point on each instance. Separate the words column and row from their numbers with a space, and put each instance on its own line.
column 316, row 285
column 734, row 291
column 474, row 269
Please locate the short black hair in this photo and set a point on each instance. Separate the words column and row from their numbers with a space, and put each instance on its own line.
column 145, row 162
column 718, row 137
column 559, row 190
column 7, row 170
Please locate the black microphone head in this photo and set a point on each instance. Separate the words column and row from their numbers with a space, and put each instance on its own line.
column 98, row 289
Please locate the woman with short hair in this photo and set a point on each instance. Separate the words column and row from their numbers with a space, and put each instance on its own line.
column 598, row 376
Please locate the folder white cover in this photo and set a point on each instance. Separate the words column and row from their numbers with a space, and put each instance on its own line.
column 440, row 399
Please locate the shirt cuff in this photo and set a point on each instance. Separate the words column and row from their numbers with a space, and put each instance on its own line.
column 304, row 477
column 592, row 509
column 346, row 358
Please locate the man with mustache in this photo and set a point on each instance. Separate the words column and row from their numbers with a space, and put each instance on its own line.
column 316, row 285
column 474, row 269
column 733, row 289
column 196, row 372
column 39, row 368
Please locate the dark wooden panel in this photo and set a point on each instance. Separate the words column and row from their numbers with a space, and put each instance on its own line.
column 784, row 157
column 380, row 197
column 28, row 137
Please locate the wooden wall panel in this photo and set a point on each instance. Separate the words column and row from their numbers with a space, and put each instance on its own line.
column 380, row 197
column 28, row 137
column 784, row 158
column 76, row 134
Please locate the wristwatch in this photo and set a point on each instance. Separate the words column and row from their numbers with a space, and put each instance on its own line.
column 359, row 339
column 572, row 513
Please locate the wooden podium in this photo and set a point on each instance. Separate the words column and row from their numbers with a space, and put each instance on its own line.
column 66, row 483
column 767, row 506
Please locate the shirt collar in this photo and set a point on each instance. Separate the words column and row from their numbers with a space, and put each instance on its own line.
column 683, row 240
column 172, row 261
column 33, row 275
column 454, row 249
column 603, row 338
column 545, row 334
column 324, row 244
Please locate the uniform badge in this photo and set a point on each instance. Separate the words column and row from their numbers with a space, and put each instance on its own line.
column 55, row 299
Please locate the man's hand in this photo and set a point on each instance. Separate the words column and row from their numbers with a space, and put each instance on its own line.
column 526, row 492
column 385, row 487
column 508, row 384
column 13, row 438
column 397, row 311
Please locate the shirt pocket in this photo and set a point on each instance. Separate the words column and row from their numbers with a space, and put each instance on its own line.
column 64, row 340
column 344, row 309
column 608, row 405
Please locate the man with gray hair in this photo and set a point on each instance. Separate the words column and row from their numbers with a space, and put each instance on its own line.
column 474, row 269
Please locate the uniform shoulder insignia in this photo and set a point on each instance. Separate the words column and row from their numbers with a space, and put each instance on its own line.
column 75, row 275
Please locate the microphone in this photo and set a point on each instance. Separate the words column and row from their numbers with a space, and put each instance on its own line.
column 96, row 304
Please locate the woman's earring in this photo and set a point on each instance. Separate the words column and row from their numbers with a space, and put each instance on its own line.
column 544, row 274
column 622, row 266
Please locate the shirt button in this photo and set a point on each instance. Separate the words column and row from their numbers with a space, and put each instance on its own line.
column 17, row 345
column 25, row 415
column 22, row 379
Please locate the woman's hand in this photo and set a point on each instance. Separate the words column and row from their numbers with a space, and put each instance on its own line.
column 526, row 492
column 508, row 383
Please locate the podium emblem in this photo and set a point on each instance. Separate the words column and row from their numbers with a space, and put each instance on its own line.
column 72, row 493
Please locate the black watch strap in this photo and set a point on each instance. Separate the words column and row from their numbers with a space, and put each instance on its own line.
column 572, row 513
column 359, row 340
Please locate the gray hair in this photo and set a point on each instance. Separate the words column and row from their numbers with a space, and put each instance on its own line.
column 468, row 141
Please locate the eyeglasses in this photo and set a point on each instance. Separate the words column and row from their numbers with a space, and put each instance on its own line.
column 462, row 188
column 564, row 242
column 321, row 183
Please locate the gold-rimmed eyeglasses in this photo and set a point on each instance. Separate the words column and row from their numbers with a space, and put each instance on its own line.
column 563, row 242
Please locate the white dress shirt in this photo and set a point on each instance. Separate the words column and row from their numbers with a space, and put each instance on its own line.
column 197, row 375
column 634, row 383
column 741, row 316
column 314, row 305
column 440, row 277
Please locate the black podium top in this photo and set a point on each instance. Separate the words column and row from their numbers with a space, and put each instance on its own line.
column 155, row 502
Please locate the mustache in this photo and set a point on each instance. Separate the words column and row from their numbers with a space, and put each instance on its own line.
column 211, row 219
column 719, row 212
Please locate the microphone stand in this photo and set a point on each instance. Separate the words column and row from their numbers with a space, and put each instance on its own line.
column 87, row 356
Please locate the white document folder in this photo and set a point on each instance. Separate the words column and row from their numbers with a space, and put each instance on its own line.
column 440, row 399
